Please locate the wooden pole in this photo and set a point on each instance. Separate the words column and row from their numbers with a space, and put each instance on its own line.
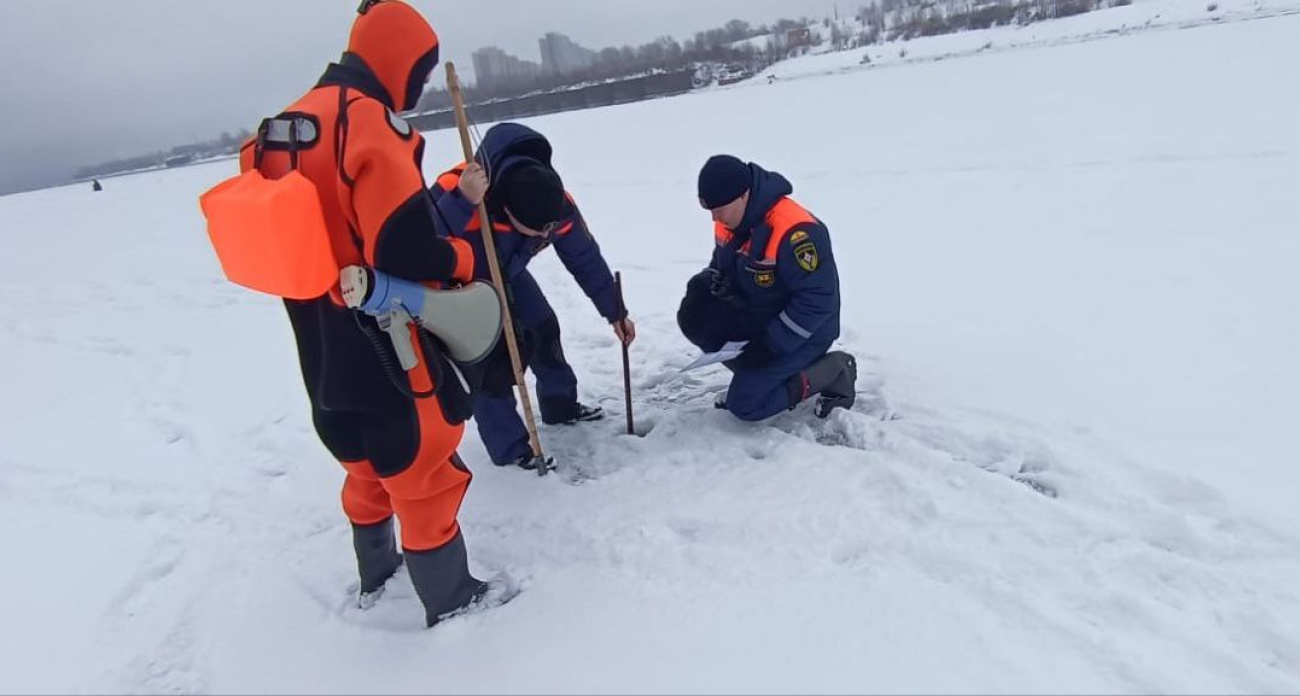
column 485, row 222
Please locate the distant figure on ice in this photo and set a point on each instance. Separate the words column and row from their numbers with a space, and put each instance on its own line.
column 772, row 282
column 399, row 451
column 530, row 211
column 95, row 185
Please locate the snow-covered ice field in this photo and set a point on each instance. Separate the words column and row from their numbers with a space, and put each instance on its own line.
column 1070, row 277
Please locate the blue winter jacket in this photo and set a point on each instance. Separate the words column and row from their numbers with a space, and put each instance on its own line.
column 781, row 267
column 504, row 147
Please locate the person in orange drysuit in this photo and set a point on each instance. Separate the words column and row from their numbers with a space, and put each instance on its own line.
column 399, row 449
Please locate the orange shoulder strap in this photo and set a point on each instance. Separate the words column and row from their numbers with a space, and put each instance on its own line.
column 782, row 219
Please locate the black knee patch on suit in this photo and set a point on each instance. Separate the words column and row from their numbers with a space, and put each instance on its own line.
column 341, row 432
column 392, row 440
column 389, row 439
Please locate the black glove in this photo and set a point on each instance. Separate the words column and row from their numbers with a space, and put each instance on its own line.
column 755, row 355
column 721, row 288
column 702, row 317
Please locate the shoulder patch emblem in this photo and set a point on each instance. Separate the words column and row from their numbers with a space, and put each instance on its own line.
column 399, row 124
column 806, row 255
column 798, row 236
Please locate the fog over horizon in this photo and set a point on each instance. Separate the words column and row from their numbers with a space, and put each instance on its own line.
column 110, row 80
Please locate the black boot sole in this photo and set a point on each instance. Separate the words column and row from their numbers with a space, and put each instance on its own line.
column 827, row 404
column 599, row 414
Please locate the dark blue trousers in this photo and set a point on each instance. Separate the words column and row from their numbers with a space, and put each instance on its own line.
column 760, row 385
column 499, row 423
column 761, row 392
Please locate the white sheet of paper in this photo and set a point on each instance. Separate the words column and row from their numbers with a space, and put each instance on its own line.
column 729, row 351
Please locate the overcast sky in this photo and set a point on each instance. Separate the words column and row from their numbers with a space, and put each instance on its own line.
column 91, row 80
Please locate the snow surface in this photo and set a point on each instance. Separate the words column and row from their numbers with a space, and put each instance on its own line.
column 1141, row 16
column 1068, row 271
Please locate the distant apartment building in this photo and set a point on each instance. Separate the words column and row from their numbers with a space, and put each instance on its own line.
column 493, row 66
column 561, row 56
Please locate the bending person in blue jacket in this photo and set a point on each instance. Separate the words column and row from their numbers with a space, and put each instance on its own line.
column 772, row 282
column 530, row 211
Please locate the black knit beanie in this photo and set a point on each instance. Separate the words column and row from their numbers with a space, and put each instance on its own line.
column 722, row 180
column 533, row 194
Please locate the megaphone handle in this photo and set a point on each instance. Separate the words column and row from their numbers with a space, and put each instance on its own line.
column 399, row 332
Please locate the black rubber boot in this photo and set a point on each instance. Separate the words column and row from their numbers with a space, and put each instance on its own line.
column 377, row 556
column 833, row 379
column 442, row 580
column 567, row 412
column 528, row 462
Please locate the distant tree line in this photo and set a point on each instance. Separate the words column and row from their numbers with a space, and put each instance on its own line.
column 730, row 44
column 665, row 54
column 900, row 20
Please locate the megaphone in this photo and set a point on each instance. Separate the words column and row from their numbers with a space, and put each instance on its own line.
column 467, row 319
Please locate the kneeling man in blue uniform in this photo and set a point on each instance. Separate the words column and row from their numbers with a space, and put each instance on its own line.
column 772, row 282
